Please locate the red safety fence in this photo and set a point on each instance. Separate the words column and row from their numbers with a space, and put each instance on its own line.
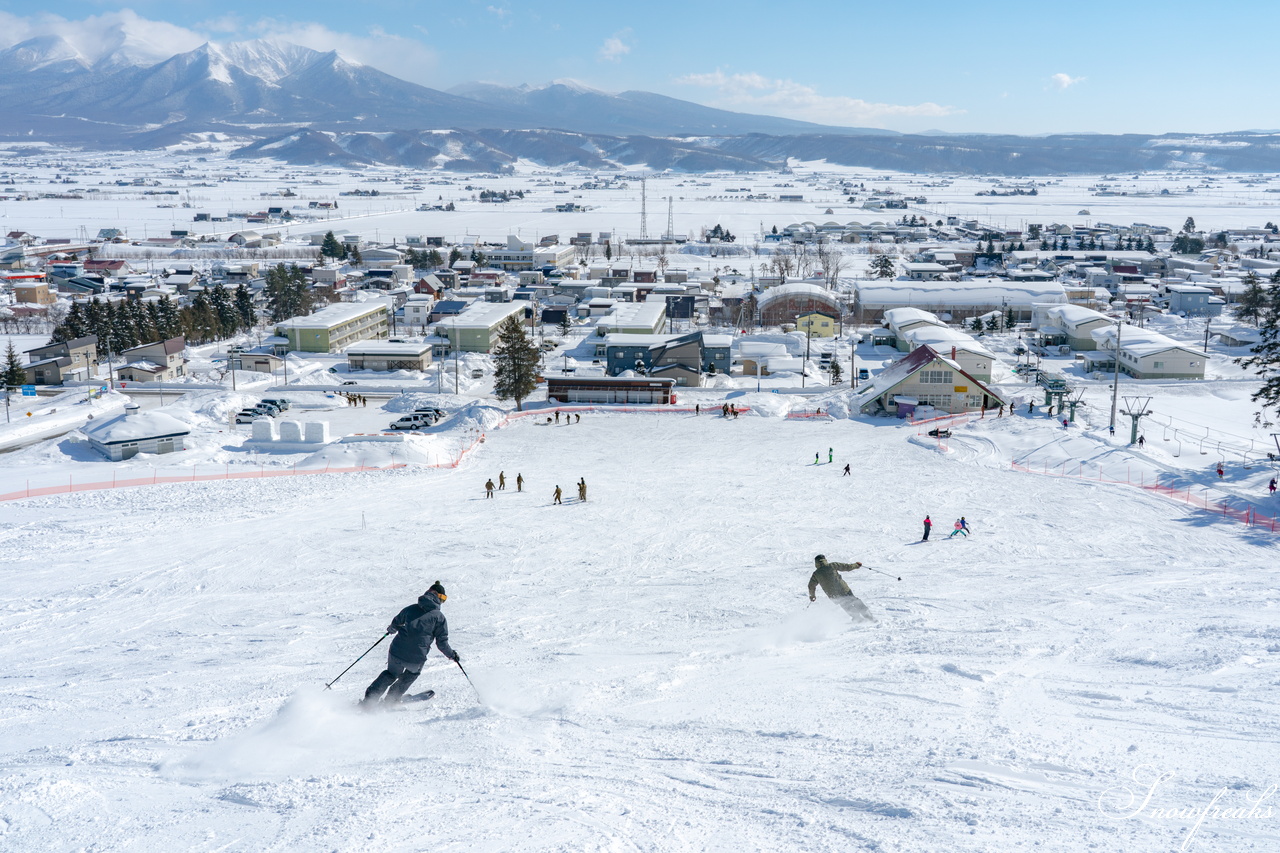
column 156, row 478
column 1248, row 516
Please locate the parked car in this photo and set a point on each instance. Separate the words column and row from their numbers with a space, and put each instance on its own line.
column 349, row 382
column 411, row 422
column 279, row 402
column 266, row 409
column 248, row 416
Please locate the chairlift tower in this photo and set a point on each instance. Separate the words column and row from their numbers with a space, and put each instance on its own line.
column 1077, row 399
column 1136, row 409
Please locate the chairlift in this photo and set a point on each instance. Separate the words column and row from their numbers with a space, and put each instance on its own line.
column 1203, row 452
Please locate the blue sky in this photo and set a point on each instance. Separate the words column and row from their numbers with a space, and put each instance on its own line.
column 995, row 67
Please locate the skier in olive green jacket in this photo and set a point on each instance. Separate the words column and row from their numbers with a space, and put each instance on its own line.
column 827, row 575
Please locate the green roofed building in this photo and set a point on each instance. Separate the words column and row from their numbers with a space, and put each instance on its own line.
column 334, row 328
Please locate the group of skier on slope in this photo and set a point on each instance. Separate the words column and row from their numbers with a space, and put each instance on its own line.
column 961, row 527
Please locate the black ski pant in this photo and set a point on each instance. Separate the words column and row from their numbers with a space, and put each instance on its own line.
column 925, row 538
column 393, row 681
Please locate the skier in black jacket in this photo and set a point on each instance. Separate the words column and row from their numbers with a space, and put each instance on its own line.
column 416, row 628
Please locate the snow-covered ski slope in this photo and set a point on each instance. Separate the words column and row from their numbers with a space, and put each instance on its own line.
column 652, row 674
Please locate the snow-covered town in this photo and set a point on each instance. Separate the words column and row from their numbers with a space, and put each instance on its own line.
column 534, row 468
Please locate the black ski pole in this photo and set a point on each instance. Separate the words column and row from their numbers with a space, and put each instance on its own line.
column 469, row 681
column 357, row 660
column 886, row 574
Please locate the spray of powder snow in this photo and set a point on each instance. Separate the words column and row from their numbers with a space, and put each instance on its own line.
column 813, row 624
column 313, row 731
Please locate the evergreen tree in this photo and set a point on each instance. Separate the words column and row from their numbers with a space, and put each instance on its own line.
column 13, row 374
column 1009, row 320
column 95, row 321
column 153, row 322
column 201, row 324
column 993, row 323
column 608, row 247
column 479, row 258
column 123, row 336
column 1044, row 245
column 1253, row 300
column 883, row 266
column 72, row 326
column 1189, row 226
column 455, row 255
column 224, row 311
column 140, row 321
column 354, row 255
column 246, row 315
column 837, row 372
column 1265, row 358
column 170, row 322
column 434, row 259
column 1149, row 247
column 566, row 325
column 515, row 371
column 287, row 293
column 976, row 325
column 331, row 248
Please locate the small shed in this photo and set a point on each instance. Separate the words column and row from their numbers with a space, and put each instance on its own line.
column 134, row 432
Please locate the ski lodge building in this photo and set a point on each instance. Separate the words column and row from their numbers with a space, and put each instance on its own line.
column 925, row 379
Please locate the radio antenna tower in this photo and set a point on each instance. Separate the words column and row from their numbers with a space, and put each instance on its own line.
column 671, row 231
column 644, row 211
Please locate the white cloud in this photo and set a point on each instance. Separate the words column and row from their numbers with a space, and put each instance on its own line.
column 154, row 41
column 756, row 93
column 406, row 58
column 614, row 48
column 98, row 35
column 1064, row 81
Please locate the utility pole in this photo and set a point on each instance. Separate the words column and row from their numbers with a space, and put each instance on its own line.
column 1115, row 381
column 644, row 212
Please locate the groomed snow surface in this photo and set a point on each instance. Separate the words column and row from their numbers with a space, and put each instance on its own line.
column 649, row 674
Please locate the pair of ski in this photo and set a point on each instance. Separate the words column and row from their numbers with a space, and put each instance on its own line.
column 404, row 700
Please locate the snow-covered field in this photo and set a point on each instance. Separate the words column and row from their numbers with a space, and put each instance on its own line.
column 746, row 204
column 649, row 673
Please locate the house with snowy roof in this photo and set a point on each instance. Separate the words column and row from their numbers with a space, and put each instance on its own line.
column 134, row 432
column 1146, row 354
column 1072, row 324
column 924, row 378
column 158, row 361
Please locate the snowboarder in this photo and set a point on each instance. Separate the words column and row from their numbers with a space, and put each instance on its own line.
column 828, row 576
column 488, row 488
column 557, row 495
column 831, row 455
column 502, row 480
column 519, row 482
column 846, row 469
column 928, row 525
column 416, row 628
column 816, row 457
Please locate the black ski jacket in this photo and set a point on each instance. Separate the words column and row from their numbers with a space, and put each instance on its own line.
column 417, row 627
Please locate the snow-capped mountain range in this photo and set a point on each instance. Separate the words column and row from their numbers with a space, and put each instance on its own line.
column 260, row 84
column 292, row 103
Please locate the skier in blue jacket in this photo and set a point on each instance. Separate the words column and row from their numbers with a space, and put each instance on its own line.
column 416, row 628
